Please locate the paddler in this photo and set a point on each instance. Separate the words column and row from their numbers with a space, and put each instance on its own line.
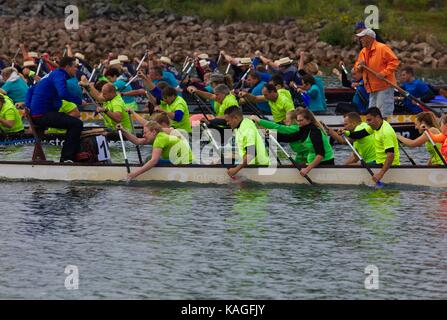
column 249, row 142
column 425, row 120
column 165, row 148
column 385, row 141
column 176, row 109
column 113, row 106
column 313, row 138
column 364, row 146
column 442, row 137
column 279, row 102
column 10, row 119
column 290, row 126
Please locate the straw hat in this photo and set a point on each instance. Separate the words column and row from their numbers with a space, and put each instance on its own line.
column 166, row 60
column 123, row 58
column 204, row 63
column 283, row 61
column 28, row 64
column 79, row 56
column 33, row 54
column 203, row 56
column 244, row 61
column 114, row 62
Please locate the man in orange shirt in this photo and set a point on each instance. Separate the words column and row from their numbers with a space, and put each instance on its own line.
column 380, row 58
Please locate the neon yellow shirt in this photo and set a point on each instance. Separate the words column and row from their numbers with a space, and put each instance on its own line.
column 385, row 138
column 247, row 135
column 175, row 149
column 281, row 106
column 179, row 104
column 116, row 105
column 229, row 101
column 365, row 146
column 9, row 112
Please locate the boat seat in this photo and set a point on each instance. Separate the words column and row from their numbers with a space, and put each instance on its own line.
column 38, row 133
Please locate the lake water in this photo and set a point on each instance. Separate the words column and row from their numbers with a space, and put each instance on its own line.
column 177, row 241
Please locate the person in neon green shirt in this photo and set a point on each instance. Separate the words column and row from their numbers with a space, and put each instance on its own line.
column 113, row 107
column 176, row 109
column 385, row 141
column 290, row 126
column 10, row 119
column 313, row 138
column 426, row 120
column 248, row 140
column 223, row 99
column 364, row 146
column 280, row 103
column 165, row 147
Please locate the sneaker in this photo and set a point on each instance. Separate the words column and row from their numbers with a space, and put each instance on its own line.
column 68, row 161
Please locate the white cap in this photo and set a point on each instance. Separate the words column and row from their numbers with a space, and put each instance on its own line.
column 123, row 58
column 28, row 63
column 203, row 56
column 367, row 32
column 244, row 61
column 114, row 62
column 204, row 63
column 166, row 60
column 79, row 56
column 283, row 61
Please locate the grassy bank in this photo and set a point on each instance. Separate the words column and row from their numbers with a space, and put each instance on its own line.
column 399, row 19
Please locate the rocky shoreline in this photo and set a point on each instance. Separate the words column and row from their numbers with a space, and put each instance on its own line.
column 129, row 30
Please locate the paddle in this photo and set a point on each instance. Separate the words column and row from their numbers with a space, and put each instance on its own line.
column 141, row 62
column 130, row 81
column 38, row 69
column 38, row 154
column 406, row 153
column 124, row 151
column 133, row 131
column 290, row 158
column 435, row 147
column 421, row 104
column 378, row 183
column 14, row 58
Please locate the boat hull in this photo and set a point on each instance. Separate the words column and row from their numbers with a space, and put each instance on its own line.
column 435, row 177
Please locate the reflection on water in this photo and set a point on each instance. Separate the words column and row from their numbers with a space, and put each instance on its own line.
column 171, row 241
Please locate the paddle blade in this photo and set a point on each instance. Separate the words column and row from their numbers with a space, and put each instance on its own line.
column 379, row 184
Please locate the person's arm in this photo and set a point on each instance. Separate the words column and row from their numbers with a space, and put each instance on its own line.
column 334, row 135
column 114, row 115
column 357, row 134
column 352, row 159
column 249, row 97
column 317, row 142
column 246, row 159
column 280, row 128
column 95, row 93
column 129, row 136
column 156, row 155
column 139, row 118
column 9, row 119
column 292, row 137
column 132, row 93
column 75, row 113
column 3, row 92
column 203, row 94
column 301, row 62
column 313, row 92
column 413, row 143
column 386, row 166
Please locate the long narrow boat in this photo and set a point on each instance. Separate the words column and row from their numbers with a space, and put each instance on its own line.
column 435, row 177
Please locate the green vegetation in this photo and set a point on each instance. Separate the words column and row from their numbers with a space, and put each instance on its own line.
column 399, row 19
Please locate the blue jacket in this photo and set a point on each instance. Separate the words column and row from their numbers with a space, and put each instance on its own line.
column 416, row 88
column 48, row 93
